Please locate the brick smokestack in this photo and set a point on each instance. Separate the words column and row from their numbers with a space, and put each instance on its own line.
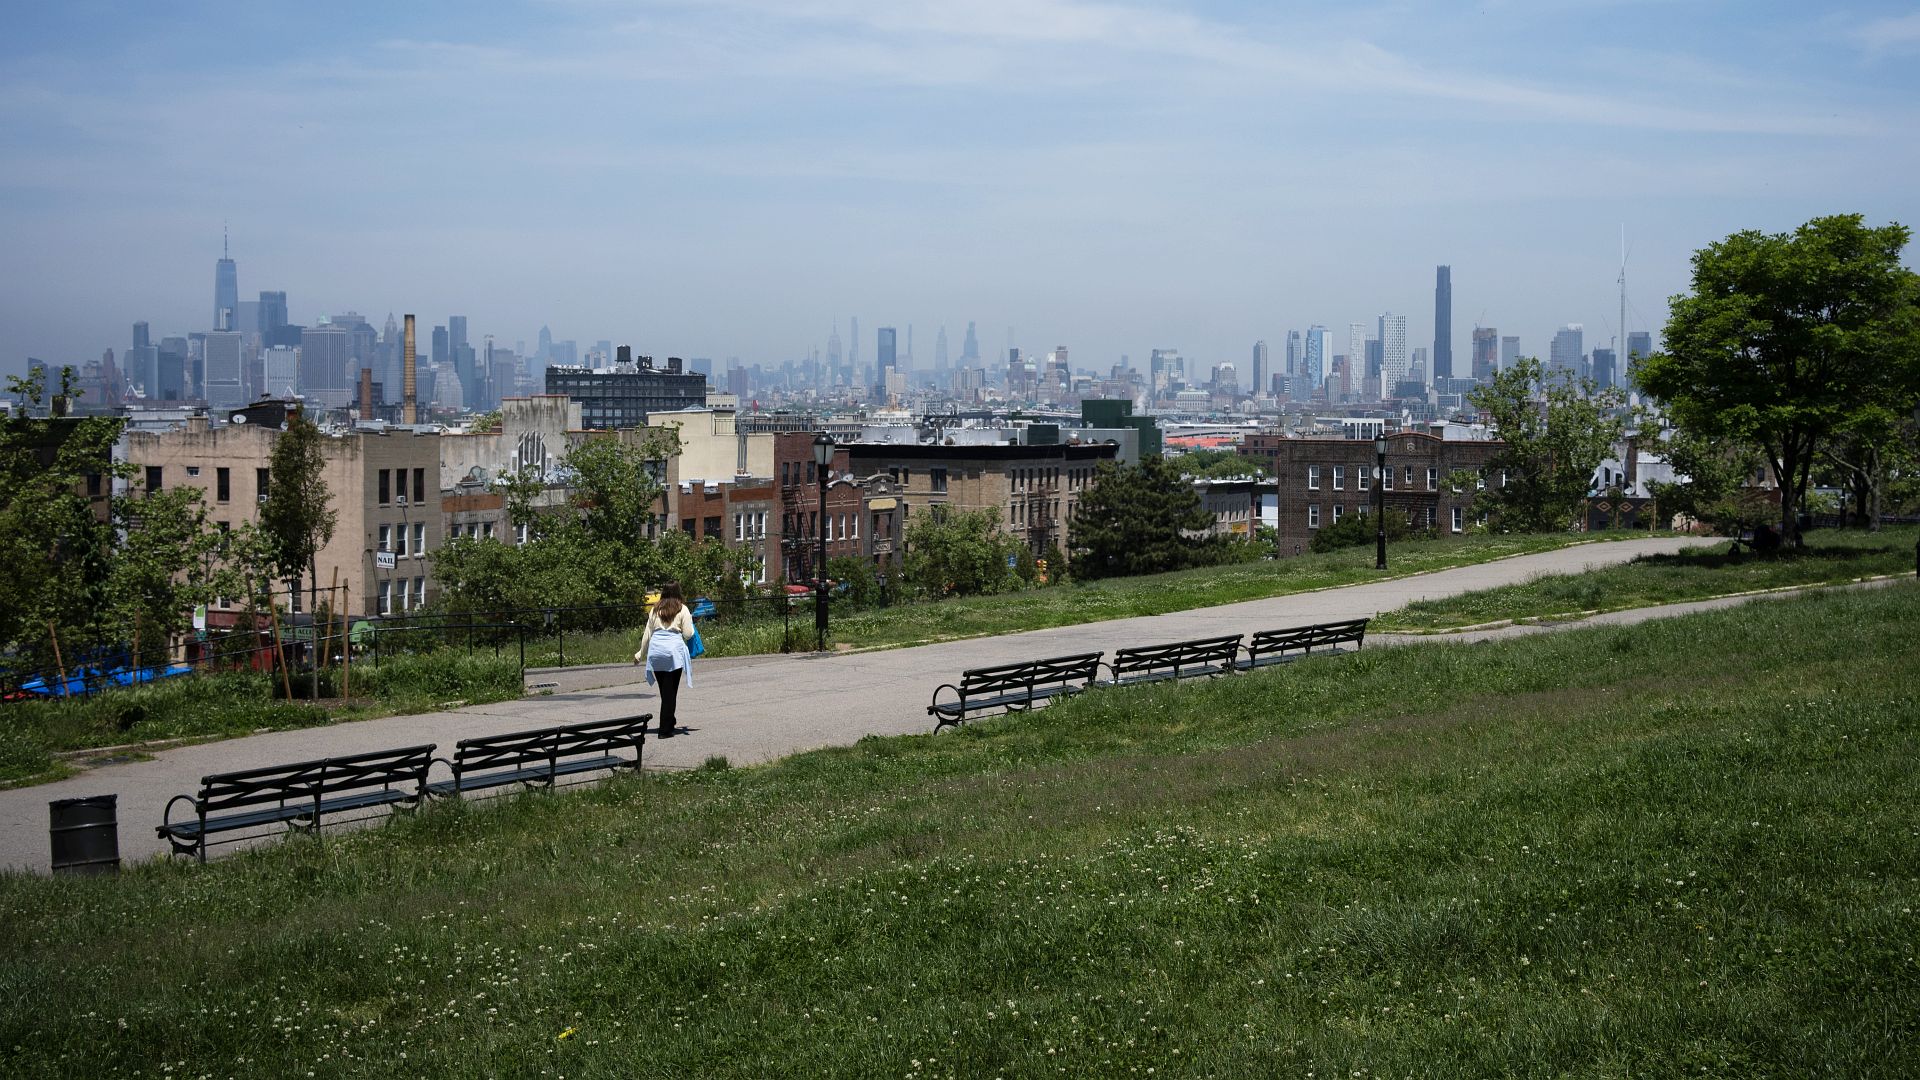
column 366, row 393
column 409, row 409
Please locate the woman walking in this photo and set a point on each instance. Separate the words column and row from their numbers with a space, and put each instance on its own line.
column 664, row 651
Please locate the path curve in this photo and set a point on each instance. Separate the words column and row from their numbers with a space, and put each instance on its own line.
column 756, row 708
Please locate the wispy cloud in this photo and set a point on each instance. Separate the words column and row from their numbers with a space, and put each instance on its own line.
column 1893, row 34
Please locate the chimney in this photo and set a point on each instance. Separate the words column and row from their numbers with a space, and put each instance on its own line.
column 366, row 393
column 409, row 412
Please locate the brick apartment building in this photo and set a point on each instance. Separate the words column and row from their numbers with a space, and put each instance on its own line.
column 1033, row 489
column 1321, row 481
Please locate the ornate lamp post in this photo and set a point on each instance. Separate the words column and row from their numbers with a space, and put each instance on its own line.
column 1380, row 501
column 823, row 459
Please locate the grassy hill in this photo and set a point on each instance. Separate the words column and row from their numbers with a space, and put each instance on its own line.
column 1684, row 848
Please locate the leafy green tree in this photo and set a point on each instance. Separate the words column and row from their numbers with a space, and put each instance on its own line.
column 1134, row 519
column 1787, row 337
column 164, row 564
column 1714, row 482
column 862, row 581
column 958, row 553
column 54, row 544
column 1219, row 464
column 297, row 515
column 1554, row 433
column 614, row 483
column 1356, row 530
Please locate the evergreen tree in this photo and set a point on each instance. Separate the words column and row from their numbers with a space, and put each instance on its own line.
column 1134, row 520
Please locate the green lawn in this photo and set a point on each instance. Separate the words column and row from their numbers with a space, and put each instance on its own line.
column 1832, row 556
column 1608, row 852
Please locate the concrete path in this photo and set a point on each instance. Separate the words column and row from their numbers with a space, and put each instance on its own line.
column 755, row 709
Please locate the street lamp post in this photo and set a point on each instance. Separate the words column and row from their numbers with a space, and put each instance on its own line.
column 823, row 459
column 1380, row 501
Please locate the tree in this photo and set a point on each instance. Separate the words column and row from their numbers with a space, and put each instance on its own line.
column 958, row 553
column 1220, row 464
column 297, row 516
column 1134, row 519
column 163, row 565
column 1554, row 433
column 1356, row 530
column 615, row 483
column 54, row 546
column 1713, row 485
column 1787, row 337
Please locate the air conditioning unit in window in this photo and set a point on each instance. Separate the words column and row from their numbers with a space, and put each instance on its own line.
column 400, row 500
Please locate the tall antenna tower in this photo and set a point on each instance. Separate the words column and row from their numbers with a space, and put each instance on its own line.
column 1620, row 329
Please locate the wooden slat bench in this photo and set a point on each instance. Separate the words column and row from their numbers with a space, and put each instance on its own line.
column 1012, row 687
column 1153, row 663
column 297, row 795
column 1279, row 646
column 542, row 756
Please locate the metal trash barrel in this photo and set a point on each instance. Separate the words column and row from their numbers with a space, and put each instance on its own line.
column 85, row 834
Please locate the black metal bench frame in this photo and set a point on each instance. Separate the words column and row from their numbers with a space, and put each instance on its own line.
column 1269, row 647
column 537, row 758
column 1013, row 687
column 1179, row 660
column 296, row 795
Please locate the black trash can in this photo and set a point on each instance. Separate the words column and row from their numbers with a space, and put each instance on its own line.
column 85, row 834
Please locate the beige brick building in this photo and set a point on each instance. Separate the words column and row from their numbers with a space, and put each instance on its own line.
column 385, row 489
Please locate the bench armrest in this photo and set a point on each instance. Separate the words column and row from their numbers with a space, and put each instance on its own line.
column 166, row 816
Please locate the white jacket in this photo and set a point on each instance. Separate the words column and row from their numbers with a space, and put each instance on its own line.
column 667, row 651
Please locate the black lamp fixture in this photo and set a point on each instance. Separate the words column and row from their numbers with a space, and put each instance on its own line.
column 1380, row 500
column 823, row 460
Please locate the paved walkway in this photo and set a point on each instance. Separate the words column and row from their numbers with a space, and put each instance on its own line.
column 755, row 709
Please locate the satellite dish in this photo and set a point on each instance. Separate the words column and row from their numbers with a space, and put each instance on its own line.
column 237, row 418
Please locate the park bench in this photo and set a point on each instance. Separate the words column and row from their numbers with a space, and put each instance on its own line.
column 297, row 795
column 538, row 758
column 1012, row 687
column 1279, row 646
column 1152, row 663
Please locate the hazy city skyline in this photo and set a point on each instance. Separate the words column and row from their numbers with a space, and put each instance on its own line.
column 733, row 179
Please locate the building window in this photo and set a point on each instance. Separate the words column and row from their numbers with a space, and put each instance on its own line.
column 420, row 540
column 420, row 592
column 1433, row 479
column 1457, row 514
column 713, row 526
column 386, row 597
column 419, row 486
column 739, row 528
column 1339, row 482
column 1313, row 515
column 153, row 478
column 1409, row 476
column 486, row 529
column 223, row 484
column 1430, row 517
column 855, row 520
column 260, row 479
column 1313, row 478
column 193, row 470
column 386, row 538
column 1386, row 478
column 1336, row 512
column 939, row 481
column 810, row 472
column 386, row 488
column 400, row 541
column 760, row 533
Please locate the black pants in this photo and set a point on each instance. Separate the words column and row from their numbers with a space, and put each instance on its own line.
column 669, row 693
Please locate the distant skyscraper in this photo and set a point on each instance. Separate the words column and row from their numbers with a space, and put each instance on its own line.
column 1509, row 352
column 1356, row 342
column 224, row 378
column 1393, row 352
column 1293, row 353
column 970, row 348
column 853, row 352
column 940, row 352
column 886, row 358
column 273, row 313
column 1442, row 322
column 226, row 290
column 140, row 339
column 1486, row 352
column 1605, row 372
column 1262, row 369
column 441, row 353
column 1639, row 344
column 1568, row 346
column 834, row 375
column 544, row 347
column 1317, row 354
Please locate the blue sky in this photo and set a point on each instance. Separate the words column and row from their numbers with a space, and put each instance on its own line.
column 729, row 177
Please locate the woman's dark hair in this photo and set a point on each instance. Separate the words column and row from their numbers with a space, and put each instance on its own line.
column 667, row 609
column 672, row 588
